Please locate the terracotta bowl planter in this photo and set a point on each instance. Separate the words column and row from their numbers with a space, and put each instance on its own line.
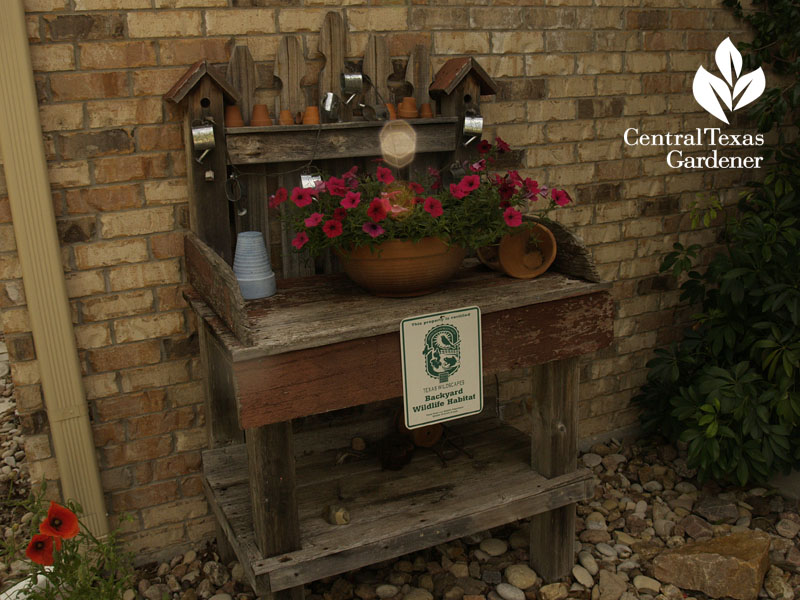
column 401, row 268
column 524, row 255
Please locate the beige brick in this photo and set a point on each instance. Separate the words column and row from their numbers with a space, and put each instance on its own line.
column 645, row 62
column 94, row 335
column 160, row 375
column 609, row 41
column 111, row 4
column 52, row 57
column 386, row 18
column 167, row 191
column 145, row 275
column 563, row 131
column 42, row 470
column 127, row 168
column 615, row 211
column 568, row 41
column 301, row 19
column 26, row 373
column 110, row 113
column 165, row 23
column 564, row 176
column 71, row 174
column 496, row 17
column 570, row 87
column 84, row 86
column 458, row 42
column 504, row 65
column 9, row 267
column 433, row 18
column 545, row 17
column 8, row 242
column 15, row 320
column 551, row 154
column 117, row 305
column 108, row 253
column 517, row 42
column 190, row 3
column 61, row 117
column 184, row 51
column 240, row 21
column 551, row 110
column 114, row 358
column 601, row 234
column 600, row 18
column 600, row 150
column 517, row 136
column 45, row 5
column 618, row 85
column 549, row 64
column 137, row 222
column 85, row 283
column 620, row 251
column 175, row 512
column 100, row 386
column 149, row 326
column 504, row 112
column 37, row 447
column 649, row 187
column 645, row 105
column 117, row 55
column 599, row 63
column 190, row 439
column 108, row 198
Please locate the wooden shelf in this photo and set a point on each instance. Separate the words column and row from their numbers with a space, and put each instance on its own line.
column 288, row 143
column 392, row 513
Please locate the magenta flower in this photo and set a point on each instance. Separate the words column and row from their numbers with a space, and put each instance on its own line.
column 278, row 198
column 377, row 210
column 415, row 187
column 484, row 147
column 532, row 187
column 313, row 219
column 457, row 191
column 560, row 197
column 339, row 213
column 513, row 217
column 332, row 228
column 385, row 175
column 469, row 183
column 433, row 207
column 300, row 240
column 479, row 166
column 372, row 229
column 350, row 177
column 302, row 196
column 335, row 186
column 351, row 199
column 502, row 146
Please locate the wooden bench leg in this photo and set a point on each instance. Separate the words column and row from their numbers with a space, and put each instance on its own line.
column 270, row 451
column 554, row 451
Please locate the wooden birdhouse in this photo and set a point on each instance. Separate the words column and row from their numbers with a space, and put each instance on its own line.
column 203, row 92
column 459, row 85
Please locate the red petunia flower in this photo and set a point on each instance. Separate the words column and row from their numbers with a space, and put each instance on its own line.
column 513, row 217
column 60, row 522
column 385, row 175
column 457, row 191
column 40, row 550
column 335, row 186
column 502, row 146
column 300, row 240
column 484, row 147
column 433, row 207
column 515, row 178
column 339, row 214
column 332, row 228
column 377, row 210
column 302, row 196
column 372, row 229
column 469, row 183
column 313, row 219
column 351, row 174
column 532, row 187
column 415, row 187
column 351, row 199
column 560, row 197
column 278, row 198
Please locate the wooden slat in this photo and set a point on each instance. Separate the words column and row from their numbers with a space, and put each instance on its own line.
column 280, row 144
column 243, row 77
column 220, row 397
column 289, row 68
column 333, row 46
column 418, row 73
column 378, row 67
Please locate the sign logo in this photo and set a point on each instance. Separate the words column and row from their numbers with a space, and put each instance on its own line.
column 442, row 352
column 713, row 93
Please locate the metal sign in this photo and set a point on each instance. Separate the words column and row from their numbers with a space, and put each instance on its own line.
column 442, row 366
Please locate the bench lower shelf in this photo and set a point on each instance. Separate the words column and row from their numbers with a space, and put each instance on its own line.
column 392, row 512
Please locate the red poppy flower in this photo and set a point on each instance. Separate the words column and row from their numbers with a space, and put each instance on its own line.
column 385, row 175
column 278, row 198
column 457, row 191
column 60, row 522
column 377, row 210
column 351, row 199
column 470, row 183
column 373, row 229
column 484, row 147
column 560, row 197
column 339, row 214
column 433, row 207
column 335, row 186
column 415, row 187
column 300, row 240
column 313, row 219
column 302, row 196
column 513, row 217
column 332, row 228
column 502, row 146
column 40, row 550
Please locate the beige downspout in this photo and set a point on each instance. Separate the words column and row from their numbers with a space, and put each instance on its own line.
column 42, row 273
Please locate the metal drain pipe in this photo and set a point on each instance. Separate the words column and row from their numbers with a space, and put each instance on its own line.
column 42, row 273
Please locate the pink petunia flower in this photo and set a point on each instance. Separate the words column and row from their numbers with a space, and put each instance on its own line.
column 300, row 240
column 335, row 186
column 302, row 196
column 351, row 199
column 332, row 228
column 385, row 175
column 433, row 207
column 479, row 166
column 313, row 219
column 350, row 177
column 377, row 210
column 469, row 183
column 457, row 191
column 278, row 198
column 372, row 229
column 513, row 217
column 560, row 197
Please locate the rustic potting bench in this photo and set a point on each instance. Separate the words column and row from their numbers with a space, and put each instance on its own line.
column 290, row 379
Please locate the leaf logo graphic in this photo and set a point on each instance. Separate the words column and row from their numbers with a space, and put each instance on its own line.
column 715, row 94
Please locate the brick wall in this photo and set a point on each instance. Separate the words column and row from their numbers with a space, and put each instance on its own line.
column 572, row 75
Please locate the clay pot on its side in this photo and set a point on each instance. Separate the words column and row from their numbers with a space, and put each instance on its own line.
column 524, row 254
column 233, row 116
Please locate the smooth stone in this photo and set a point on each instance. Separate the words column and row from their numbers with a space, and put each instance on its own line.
column 582, row 576
column 521, row 576
column 611, row 586
column 612, row 461
column 622, row 550
column 685, row 487
column 596, row 521
column 606, row 550
column 494, row 547
column 128, row 595
column 663, row 528
column 157, row 591
column 510, row 592
column 716, row 510
column 554, row 591
column 591, row 460
column 519, row 539
column 695, row 527
column 459, row 569
column 624, row 538
column 627, row 565
column 189, row 557
column 221, row 596
column 778, row 588
column 418, row 594
column 588, row 562
column 653, row 486
column 787, row 528
column 454, row 593
column 642, row 583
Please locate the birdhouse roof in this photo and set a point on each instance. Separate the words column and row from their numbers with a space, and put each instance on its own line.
column 193, row 76
column 454, row 71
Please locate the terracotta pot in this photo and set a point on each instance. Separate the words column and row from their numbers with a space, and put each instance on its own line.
column 401, row 268
column 409, row 102
column 311, row 116
column 392, row 112
column 286, row 118
column 406, row 113
column 260, row 116
column 425, row 111
column 233, row 116
column 527, row 253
